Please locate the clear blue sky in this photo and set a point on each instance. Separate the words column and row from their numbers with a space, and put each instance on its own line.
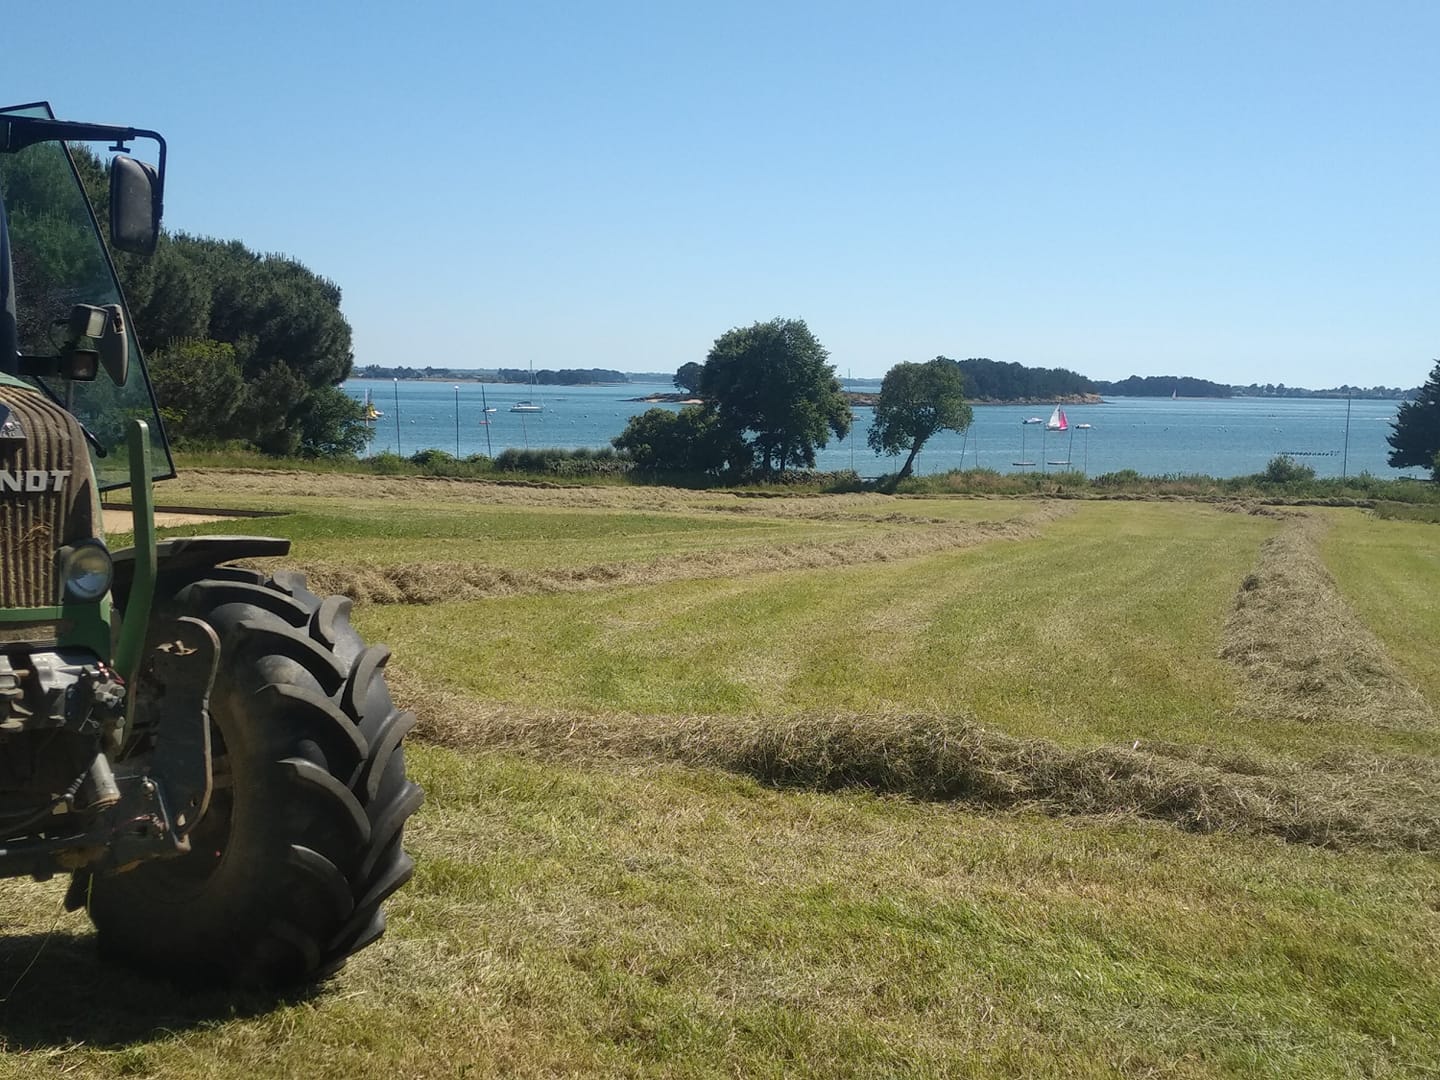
column 1243, row 191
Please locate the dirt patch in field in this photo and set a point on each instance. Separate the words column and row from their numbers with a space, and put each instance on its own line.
column 122, row 521
column 1303, row 653
column 1353, row 800
column 429, row 583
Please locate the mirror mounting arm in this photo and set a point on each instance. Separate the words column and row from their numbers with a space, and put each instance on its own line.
column 18, row 132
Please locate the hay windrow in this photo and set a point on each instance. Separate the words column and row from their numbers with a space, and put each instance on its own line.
column 1362, row 800
column 268, row 485
column 430, row 583
column 1301, row 650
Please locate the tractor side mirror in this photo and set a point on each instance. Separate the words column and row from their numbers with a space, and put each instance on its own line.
column 134, row 210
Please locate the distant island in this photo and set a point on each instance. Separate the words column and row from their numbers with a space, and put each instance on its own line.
column 994, row 382
column 1185, row 386
column 1164, row 386
column 989, row 382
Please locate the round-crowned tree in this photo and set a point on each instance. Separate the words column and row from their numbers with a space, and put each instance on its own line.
column 917, row 401
column 688, row 441
column 771, row 385
column 688, row 378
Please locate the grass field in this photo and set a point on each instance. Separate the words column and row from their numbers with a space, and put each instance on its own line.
column 850, row 786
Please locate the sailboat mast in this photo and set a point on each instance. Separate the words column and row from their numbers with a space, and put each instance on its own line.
column 1345, row 461
column 485, row 419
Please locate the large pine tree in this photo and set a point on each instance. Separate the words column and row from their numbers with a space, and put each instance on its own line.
column 1416, row 438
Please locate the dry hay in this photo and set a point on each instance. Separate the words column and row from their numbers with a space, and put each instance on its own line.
column 269, row 484
column 1248, row 506
column 436, row 582
column 283, row 483
column 1302, row 651
column 1358, row 800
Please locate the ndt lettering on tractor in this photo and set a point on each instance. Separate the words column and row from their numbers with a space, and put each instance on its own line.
column 32, row 479
column 211, row 753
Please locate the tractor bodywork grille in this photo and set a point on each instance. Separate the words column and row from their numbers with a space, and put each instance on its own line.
column 40, row 509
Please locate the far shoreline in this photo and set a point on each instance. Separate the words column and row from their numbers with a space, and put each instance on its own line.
column 868, row 398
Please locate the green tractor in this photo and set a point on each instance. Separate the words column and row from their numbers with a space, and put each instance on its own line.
column 210, row 752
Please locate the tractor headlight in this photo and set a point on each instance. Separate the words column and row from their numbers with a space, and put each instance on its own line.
column 86, row 571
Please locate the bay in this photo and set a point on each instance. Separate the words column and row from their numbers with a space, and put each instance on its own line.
column 1153, row 436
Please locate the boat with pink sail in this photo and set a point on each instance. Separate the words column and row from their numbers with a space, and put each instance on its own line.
column 1057, row 422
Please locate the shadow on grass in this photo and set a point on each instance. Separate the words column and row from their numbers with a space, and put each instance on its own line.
column 69, row 996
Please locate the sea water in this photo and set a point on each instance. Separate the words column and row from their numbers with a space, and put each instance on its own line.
column 1154, row 436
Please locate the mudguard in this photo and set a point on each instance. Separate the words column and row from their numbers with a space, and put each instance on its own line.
column 185, row 554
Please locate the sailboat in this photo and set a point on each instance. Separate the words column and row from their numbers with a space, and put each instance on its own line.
column 371, row 413
column 1057, row 422
column 528, row 406
column 1025, row 462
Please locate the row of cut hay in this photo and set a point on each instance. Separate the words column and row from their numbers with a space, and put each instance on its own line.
column 1250, row 507
column 865, row 508
column 1303, row 653
column 1382, row 803
column 436, row 582
column 280, row 483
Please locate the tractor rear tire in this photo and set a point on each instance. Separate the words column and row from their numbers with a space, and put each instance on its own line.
column 301, row 843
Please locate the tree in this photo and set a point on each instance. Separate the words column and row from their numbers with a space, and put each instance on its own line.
column 688, row 378
column 246, row 346
column 199, row 386
column 286, row 335
column 332, row 425
column 690, row 441
column 1416, row 438
column 917, row 401
column 770, row 382
column 1283, row 469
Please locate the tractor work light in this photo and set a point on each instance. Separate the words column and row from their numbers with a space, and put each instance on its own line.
column 82, row 366
column 86, row 571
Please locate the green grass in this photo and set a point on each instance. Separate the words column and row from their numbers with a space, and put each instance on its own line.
column 471, row 523
column 583, row 921
column 1389, row 571
column 1290, row 483
column 1403, row 512
column 1106, row 627
column 356, row 534
column 582, row 911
